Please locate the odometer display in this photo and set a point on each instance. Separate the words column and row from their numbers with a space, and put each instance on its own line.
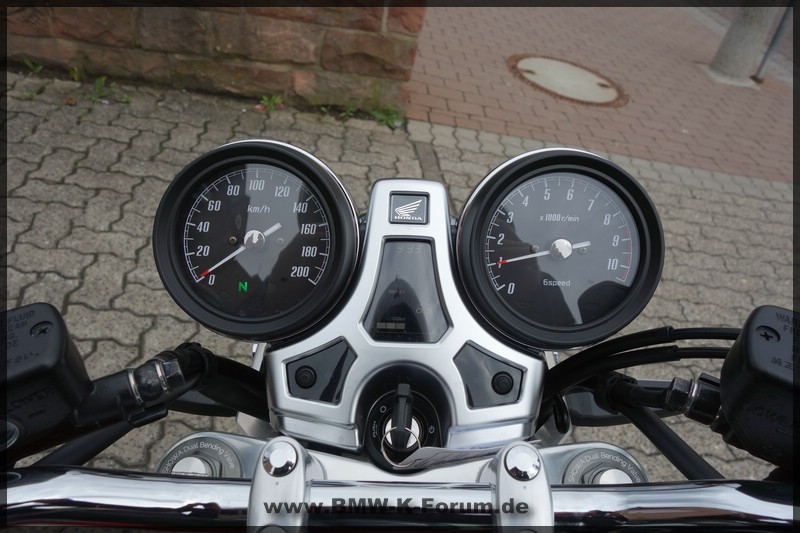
column 559, row 248
column 256, row 240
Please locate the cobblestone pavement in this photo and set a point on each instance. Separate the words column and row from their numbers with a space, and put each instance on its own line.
column 84, row 181
column 675, row 111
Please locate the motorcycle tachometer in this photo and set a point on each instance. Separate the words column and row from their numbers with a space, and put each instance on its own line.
column 256, row 240
column 559, row 248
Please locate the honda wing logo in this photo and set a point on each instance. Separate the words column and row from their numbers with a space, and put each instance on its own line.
column 409, row 209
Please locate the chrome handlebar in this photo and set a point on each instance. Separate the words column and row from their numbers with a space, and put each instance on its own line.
column 82, row 496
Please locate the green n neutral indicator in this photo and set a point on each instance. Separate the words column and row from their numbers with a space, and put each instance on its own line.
column 242, row 286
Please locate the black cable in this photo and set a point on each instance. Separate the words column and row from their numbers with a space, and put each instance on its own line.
column 652, row 337
column 719, row 334
column 634, row 350
column 196, row 403
column 684, row 457
column 135, row 397
column 637, row 395
column 239, row 387
column 81, row 449
column 226, row 387
column 640, row 339
column 561, row 415
column 633, row 341
column 558, row 383
column 244, row 375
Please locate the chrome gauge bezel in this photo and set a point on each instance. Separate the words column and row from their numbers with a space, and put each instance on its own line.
column 343, row 230
column 473, row 223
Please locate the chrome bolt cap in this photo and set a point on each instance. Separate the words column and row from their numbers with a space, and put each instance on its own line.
column 279, row 459
column 522, row 463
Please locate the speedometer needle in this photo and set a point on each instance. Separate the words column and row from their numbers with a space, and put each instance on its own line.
column 248, row 239
column 583, row 244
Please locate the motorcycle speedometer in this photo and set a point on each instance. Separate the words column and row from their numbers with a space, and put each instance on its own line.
column 559, row 248
column 256, row 240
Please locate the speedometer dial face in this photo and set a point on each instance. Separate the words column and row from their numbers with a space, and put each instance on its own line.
column 559, row 248
column 256, row 240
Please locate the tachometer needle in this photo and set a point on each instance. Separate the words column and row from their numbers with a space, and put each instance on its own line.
column 582, row 244
column 520, row 258
column 247, row 243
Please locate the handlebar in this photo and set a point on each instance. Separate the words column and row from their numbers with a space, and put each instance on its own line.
column 84, row 496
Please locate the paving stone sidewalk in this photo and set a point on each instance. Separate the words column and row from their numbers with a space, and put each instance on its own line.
column 84, row 180
column 675, row 111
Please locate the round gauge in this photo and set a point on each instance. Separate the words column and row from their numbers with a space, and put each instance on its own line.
column 256, row 240
column 559, row 248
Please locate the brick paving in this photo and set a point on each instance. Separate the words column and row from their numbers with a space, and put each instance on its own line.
column 83, row 183
column 675, row 113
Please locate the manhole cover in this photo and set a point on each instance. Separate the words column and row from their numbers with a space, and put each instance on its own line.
column 567, row 80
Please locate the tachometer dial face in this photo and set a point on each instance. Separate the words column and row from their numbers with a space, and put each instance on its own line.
column 256, row 240
column 559, row 248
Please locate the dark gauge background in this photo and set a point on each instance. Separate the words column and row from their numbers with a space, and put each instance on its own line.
column 276, row 226
column 559, row 248
column 256, row 240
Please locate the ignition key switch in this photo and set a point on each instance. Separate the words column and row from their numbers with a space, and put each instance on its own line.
column 398, row 424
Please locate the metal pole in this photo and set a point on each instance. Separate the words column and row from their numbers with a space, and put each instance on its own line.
column 773, row 45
